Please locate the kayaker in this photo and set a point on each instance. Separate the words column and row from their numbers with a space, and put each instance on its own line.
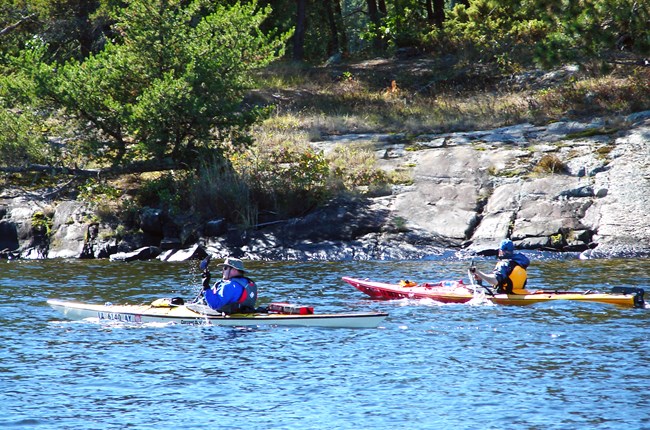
column 234, row 293
column 509, row 275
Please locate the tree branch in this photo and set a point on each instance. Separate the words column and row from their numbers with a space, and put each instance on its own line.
column 11, row 27
column 141, row 167
column 641, row 62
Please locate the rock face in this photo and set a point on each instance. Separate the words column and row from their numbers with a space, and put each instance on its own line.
column 567, row 186
column 478, row 188
column 619, row 215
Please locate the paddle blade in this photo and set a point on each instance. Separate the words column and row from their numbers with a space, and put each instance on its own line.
column 204, row 263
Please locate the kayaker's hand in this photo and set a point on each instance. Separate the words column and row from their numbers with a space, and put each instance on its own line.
column 206, row 280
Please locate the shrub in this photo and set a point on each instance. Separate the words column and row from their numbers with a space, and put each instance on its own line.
column 285, row 178
column 550, row 163
column 20, row 142
column 42, row 223
column 166, row 191
column 220, row 191
column 352, row 168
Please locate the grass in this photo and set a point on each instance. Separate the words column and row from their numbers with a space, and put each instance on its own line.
column 368, row 100
column 330, row 111
column 550, row 163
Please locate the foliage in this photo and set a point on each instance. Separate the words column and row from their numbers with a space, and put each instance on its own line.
column 168, row 88
column 284, row 178
column 403, row 26
column 166, row 191
column 589, row 27
column 549, row 32
column 317, row 32
column 42, row 223
column 97, row 191
column 71, row 28
column 507, row 32
column 356, row 167
column 20, row 143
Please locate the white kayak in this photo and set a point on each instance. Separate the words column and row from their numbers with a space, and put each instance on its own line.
column 163, row 311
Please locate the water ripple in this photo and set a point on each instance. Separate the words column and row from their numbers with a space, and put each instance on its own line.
column 430, row 366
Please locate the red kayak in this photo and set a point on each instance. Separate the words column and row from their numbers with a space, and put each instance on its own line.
column 459, row 292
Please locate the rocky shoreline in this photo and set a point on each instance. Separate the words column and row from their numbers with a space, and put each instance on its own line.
column 469, row 191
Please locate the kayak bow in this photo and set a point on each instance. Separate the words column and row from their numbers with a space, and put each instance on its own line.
column 163, row 311
column 459, row 292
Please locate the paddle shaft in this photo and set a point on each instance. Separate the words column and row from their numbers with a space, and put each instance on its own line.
column 205, row 276
column 470, row 274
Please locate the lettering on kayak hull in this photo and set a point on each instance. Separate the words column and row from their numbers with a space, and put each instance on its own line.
column 134, row 318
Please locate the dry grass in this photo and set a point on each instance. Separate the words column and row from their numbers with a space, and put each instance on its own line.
column 351, row 99
column 600, row 96
column 550, row 163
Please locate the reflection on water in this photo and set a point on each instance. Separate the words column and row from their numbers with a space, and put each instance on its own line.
column 551, row 366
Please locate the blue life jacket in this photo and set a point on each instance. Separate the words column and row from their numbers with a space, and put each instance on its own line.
column 248, row 299
column 223, row 298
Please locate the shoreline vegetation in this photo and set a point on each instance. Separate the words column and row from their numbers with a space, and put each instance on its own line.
column 240, row 147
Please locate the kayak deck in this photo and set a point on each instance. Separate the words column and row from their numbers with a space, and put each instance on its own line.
column 183, row 314
column 459, row 292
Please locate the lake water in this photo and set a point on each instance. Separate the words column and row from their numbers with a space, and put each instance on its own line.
column 428, row 366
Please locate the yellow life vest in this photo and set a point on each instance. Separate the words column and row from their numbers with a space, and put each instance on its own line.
column 518, row 277
column 407, row 283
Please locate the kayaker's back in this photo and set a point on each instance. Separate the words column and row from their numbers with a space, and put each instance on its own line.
column 518, row 276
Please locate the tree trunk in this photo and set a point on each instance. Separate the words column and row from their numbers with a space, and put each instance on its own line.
column 299, row 34
column 429, row 12
column 438, row 12
column 333, row 45
column 381, row 4
column 84, row 26
column 373, row 13
column 338, row 17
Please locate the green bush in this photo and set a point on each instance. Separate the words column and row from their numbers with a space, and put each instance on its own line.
column 287, row 179
column 42, row 223
column 220, row 192
column 166, row 191
column 545, row 33
column 354, row 168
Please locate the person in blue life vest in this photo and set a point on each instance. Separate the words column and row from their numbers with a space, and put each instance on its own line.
column 509, row 275
column 234, row 293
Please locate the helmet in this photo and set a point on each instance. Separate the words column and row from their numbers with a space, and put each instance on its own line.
column 507, row 246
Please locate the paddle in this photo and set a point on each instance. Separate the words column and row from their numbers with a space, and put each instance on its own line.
column 203, row 265
column 470, row 273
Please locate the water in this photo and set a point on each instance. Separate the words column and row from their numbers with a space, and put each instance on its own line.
column 429, row 366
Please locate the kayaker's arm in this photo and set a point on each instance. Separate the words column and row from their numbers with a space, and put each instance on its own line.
column 489, row 278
